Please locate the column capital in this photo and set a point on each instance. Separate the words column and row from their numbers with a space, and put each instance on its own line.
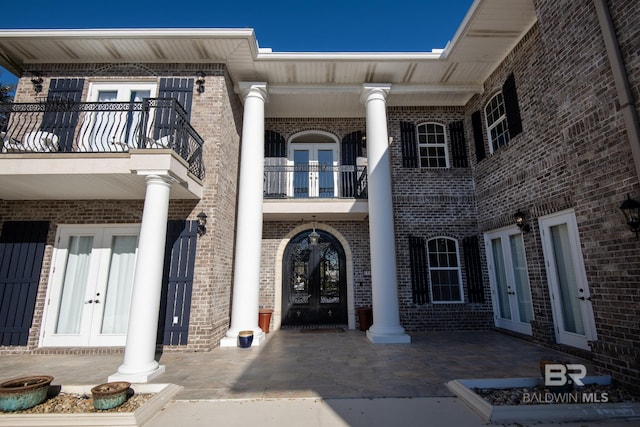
column 372, row 91
column 253, row 89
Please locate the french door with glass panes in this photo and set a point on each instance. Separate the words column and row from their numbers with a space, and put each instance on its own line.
column 314, row 174
column 115, row 125
column 91, row 285
column 570, row 296
column 510, row 289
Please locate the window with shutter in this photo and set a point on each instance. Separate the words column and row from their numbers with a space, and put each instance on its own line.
column 432, row 146
column 419, row 270
column 444, row 270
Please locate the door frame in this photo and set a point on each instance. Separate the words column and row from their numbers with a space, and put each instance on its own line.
column 513, row 324
column 562, row 336
column 87, row 336
column 279, row 258
column 313, row 175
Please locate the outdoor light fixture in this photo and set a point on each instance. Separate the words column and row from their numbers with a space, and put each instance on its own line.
column 520, row 222
column 631, row 210
column 36, row 81
column 200, row 81
column 313, row 236
column 202, row 224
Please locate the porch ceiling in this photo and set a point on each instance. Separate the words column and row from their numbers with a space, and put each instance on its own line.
column 302, row 84
column 91, row 176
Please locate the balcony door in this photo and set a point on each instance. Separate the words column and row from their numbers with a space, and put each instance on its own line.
column 314, row 170
column 114, row 124
column 570, row 296
column 510, row 289
column 90, row 288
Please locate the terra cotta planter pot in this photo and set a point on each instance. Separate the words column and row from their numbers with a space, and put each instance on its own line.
column 110, row 395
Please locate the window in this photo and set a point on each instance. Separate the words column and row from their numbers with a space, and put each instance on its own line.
column 444, row 270
column 432, row 145
column 497, row 126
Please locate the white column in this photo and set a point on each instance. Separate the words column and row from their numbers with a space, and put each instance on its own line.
column 139, row 364
column 386, row 326
column 246, row 278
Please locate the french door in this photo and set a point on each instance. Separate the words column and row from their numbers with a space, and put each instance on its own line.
column 314, row 171
column 510, row 288
column 570, row 297
column 90, row 287
column 114, row 128
column 314, row 288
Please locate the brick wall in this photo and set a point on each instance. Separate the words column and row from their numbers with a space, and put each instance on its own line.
column 216, row 116
column 573, row 153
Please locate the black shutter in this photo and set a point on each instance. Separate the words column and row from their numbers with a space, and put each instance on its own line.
column 22, row 245
column 274, row 144
column 275, row 165
column 478, row 136
column 167, row 121
column 512, row 109
column 409, row 148
column 179, row 89
column 473, row 268
column 177, row 284
column 458, row 144
column 419, row 270
column 62, row 117
column 351, row 149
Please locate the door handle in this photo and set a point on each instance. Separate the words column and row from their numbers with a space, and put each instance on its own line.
column 89, row 302
column 511, row 293
column 584, row 299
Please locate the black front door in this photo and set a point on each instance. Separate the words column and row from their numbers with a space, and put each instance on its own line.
column 314, row 290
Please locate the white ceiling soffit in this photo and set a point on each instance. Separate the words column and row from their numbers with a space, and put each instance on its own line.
column 300, row 83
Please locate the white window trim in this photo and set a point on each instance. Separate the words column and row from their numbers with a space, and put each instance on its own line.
column 445, row 145
column 461, row 301
column 499, row 120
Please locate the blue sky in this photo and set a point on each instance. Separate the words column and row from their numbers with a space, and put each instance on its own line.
column 284, row 26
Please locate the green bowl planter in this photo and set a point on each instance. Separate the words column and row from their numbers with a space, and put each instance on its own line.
column 110, row 395
column 23, row 393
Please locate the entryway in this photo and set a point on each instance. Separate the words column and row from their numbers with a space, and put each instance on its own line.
column 314, row 290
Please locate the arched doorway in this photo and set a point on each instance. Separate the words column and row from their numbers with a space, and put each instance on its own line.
column 314, row 288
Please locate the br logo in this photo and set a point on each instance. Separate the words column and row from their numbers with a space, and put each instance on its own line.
column 559, row 374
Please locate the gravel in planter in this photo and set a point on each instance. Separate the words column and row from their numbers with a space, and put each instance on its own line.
column 66, row 403
column 540, row 394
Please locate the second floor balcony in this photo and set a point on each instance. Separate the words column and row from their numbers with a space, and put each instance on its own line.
column 61, row 126
column 61, row 149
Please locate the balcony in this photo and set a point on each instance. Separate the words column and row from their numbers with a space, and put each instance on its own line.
column 306, row 190
column 104, row 141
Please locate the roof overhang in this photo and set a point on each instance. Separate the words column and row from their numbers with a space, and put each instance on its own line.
column 301, row 83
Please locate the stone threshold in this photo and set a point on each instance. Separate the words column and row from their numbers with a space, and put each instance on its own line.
column 163, row 393
column 540, row 413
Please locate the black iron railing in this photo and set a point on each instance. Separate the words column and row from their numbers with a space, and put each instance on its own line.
column 283, row 181
column 62, row 126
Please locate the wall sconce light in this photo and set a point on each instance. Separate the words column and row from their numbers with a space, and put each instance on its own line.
column 631, row 210
column 313, row 236
column 363, row 142
column 36, row 81
column 202, row 224
column 520, row 222
column 200, row 81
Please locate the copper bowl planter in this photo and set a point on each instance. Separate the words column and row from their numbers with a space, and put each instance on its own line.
column 24, row 392
column 110, row 395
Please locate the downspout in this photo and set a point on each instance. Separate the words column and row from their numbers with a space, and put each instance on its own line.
column 625, row 98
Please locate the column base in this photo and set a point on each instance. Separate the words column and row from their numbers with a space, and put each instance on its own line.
column 232, row 341
column 378, row 338
column 137, row 378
